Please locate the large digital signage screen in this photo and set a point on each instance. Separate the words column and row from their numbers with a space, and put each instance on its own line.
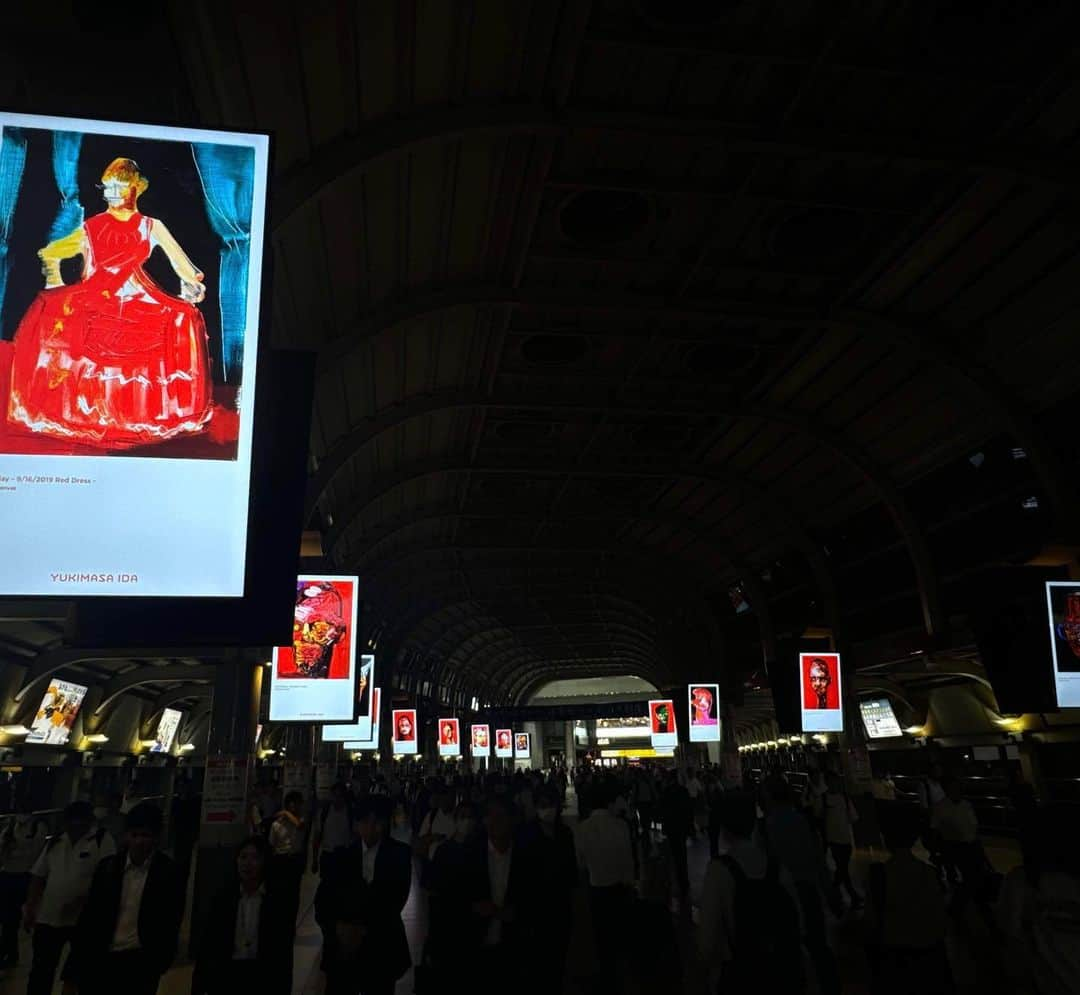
column 703, row 703
column 130, row 282
column 404, row 735
column 1063, row 611
column 449, row 738
column 314, row 680
column 879, row 719
column 481, row 741
column 504, row 743
column 367, row 708
column 168, row 726
column 662, row 727
column 820, row 692
column 56, row 714
column 369, row 743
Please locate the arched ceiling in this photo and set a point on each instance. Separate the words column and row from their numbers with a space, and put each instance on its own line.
column 681, row 291
column 622, row 304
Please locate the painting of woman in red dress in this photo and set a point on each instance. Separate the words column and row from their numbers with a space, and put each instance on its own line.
column 112, row 361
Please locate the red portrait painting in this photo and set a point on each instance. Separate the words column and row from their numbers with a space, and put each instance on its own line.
column 448, row 732
column 404, row 725
column 662, row 717
column 322, row 641
column 820, row 681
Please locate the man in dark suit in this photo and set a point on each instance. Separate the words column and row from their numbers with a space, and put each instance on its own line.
column 359, row 907
column 502, row 889
column 126, row 936
column 248, row 936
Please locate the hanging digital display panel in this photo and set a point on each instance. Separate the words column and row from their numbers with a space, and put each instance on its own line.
column 404, row 735
column 662, row 728
column 130, row 284
column 56, row 714
column 504, row 743
column 1063, row 611
column 481, row 741
column 820, row 692
column 703, row 704
column 315, row 679
column 449, row 738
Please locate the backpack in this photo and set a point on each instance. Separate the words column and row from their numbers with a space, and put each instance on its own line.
column 766, row 952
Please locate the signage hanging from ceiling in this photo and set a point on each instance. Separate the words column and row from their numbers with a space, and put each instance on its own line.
column 366, row 726
column 168, row 726
column 521, row 746
column 481, row 741
column 504, row 743
column 404, row 731
column 1063, row 612
column 57, row 712
column 315, row 679
column 703, row 704
column 820, row 692
column 449, row 738
column 879, row 719
column 127, row 400
column 662, row 726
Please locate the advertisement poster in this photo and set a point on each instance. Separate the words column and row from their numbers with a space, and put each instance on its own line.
column 404, row 735
column 168, row 726
column 367, row 700
column 56, row 714
column 315, row 679
column 225, row 789
column 1063, row 611
column 504, row 743
column 819, row 676
column 703, row 701
column 449, row 738
column 481, row 741
column 130, row 282
column 879, row 718
column 662, row 723
column 521, row 746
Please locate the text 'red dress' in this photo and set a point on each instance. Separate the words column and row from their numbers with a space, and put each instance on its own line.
column 112, row 361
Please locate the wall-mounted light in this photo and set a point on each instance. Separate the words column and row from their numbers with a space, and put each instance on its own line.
column 147, row 744
column 97, row 737
column 187, row 747
column 15, row 730
column 914, row 730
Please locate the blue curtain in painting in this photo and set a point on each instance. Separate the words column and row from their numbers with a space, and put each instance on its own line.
column 227, row 173
column 65, row 163
column 12, row 163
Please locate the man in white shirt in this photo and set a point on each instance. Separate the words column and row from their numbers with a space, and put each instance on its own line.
column 605, row 853
column 127, row 933
column 59, row 885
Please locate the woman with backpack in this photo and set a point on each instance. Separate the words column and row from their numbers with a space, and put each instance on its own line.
column 750, row 925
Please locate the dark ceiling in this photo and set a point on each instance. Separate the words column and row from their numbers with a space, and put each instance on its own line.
column 620, row 305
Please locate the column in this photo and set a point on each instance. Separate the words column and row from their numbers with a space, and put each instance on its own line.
column 728, row 748
column 230, row 762
column 570, row 745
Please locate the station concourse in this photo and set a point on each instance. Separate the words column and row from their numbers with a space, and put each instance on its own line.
column 653, row 422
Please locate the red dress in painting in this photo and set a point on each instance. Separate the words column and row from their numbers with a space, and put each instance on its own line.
column 112, row 361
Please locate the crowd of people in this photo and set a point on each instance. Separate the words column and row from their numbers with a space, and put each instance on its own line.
column 506, row 873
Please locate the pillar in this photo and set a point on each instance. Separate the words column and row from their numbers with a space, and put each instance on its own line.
column 570, row 744
column 230, row 763
column 728, row 748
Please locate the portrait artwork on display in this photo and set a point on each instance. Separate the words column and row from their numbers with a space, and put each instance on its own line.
column 521, row 746
column 481, row 741
column 704, row 705
column 504, row 743
column 662, row 726
column 130, row 286
column 820, row 693
column 449, row 738
column 404, row 730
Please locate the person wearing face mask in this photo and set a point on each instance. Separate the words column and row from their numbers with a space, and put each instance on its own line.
column 23, row 838
column 446, row 957
column 552, row 858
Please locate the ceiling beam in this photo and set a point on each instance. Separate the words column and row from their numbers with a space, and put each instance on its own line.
column 152, row 675
column 383, row 141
